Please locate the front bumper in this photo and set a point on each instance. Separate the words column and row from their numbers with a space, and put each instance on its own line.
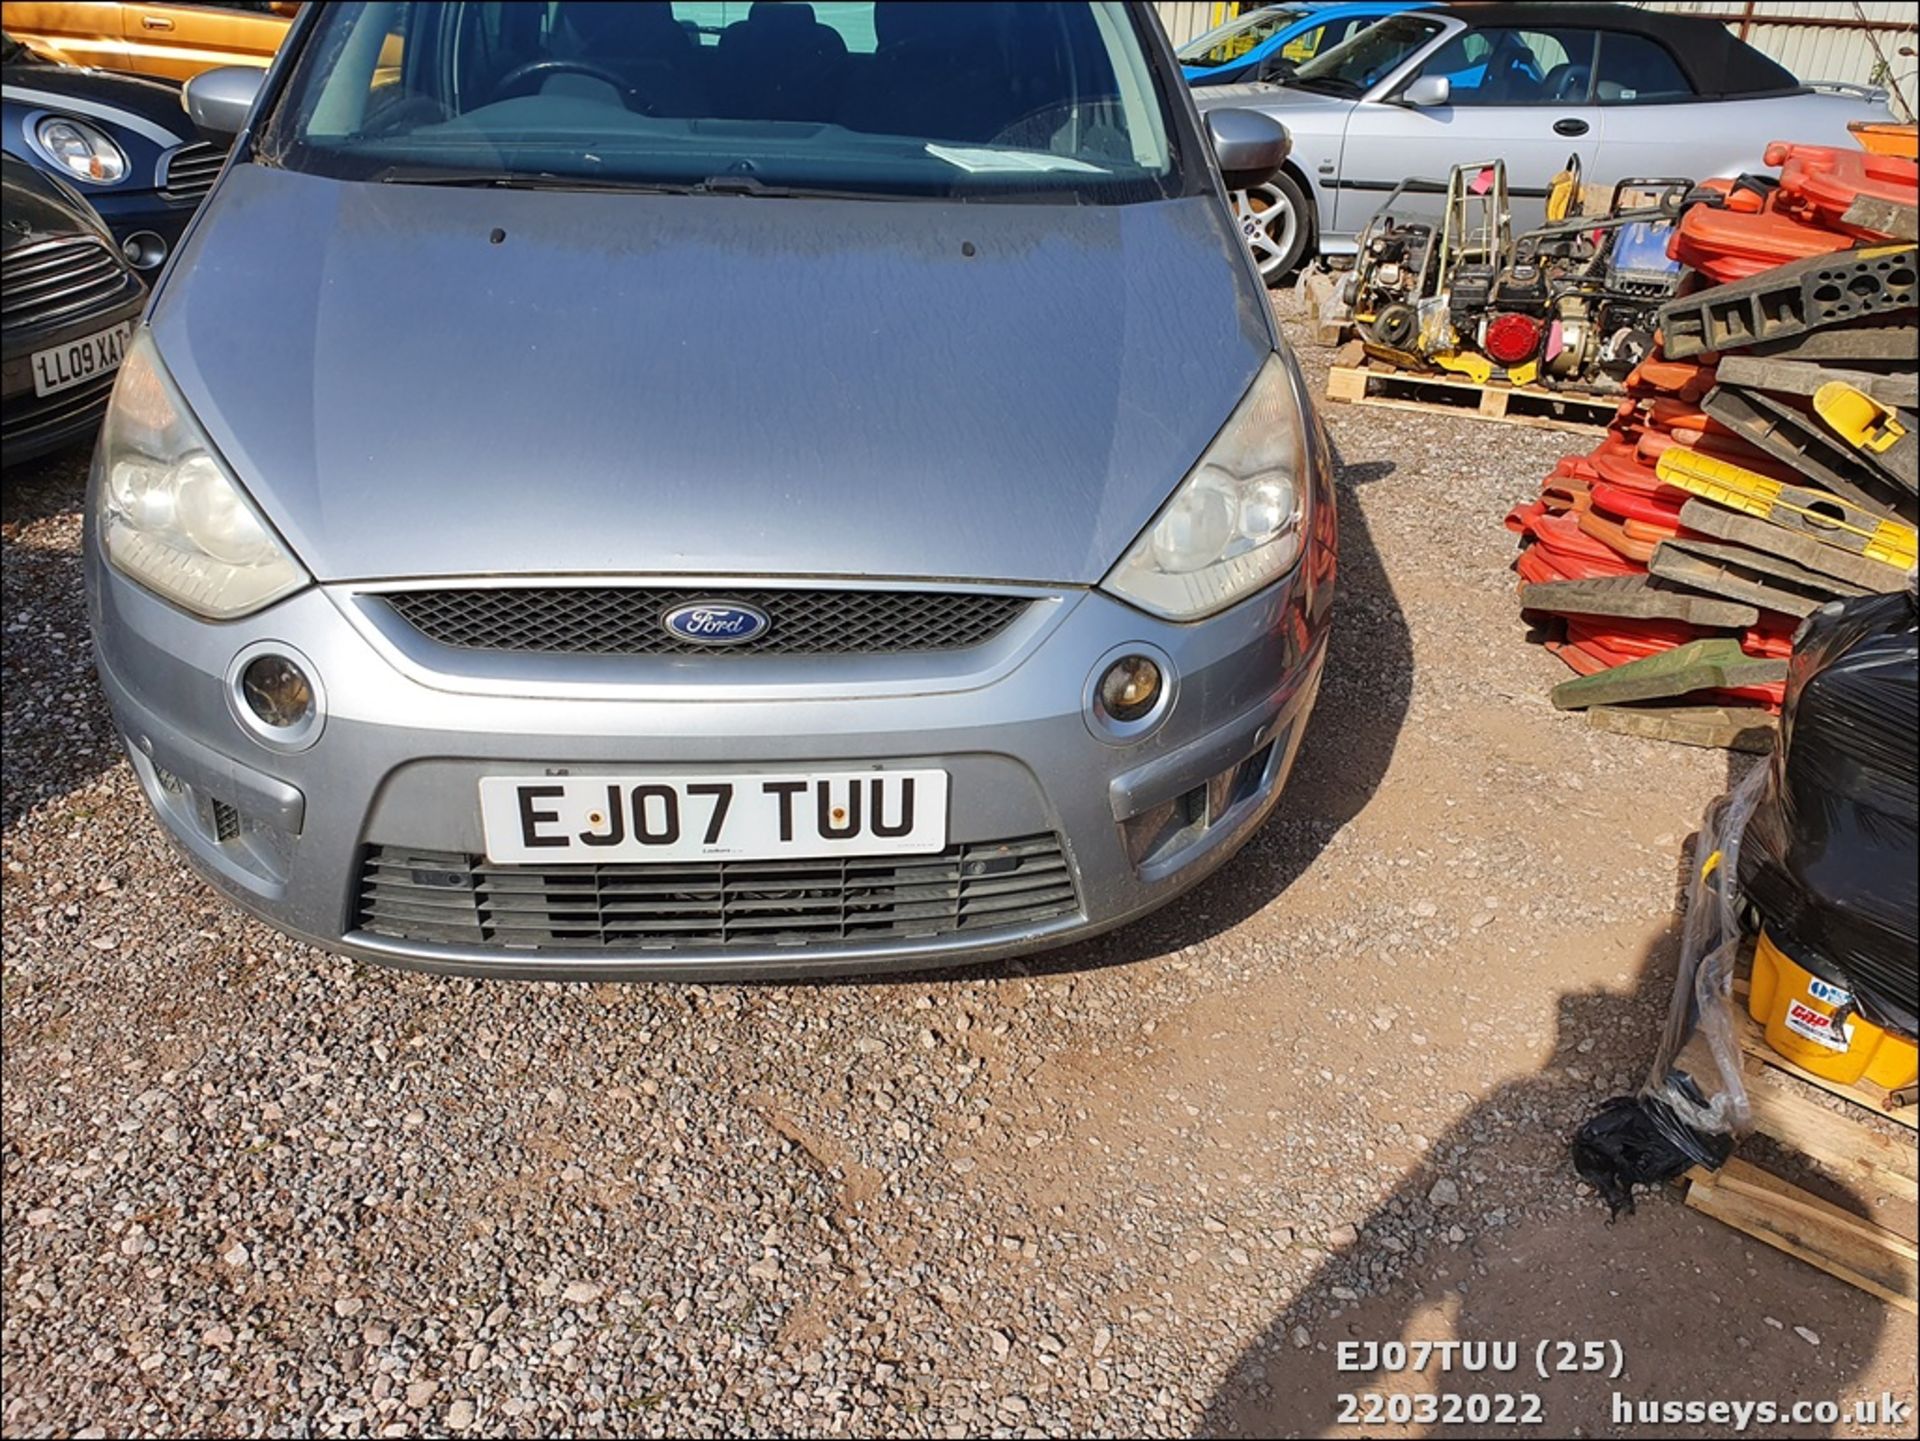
column 411, row 729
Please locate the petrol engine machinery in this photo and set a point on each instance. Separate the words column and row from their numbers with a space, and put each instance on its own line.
column 1571, row 303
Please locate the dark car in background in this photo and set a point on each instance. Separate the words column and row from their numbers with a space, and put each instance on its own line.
column 122, row 142
column 68, row 304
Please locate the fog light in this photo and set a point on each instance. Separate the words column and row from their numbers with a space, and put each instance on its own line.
column 144, row 249
column 276, row 696
column 277, row 691
column 1130, row 688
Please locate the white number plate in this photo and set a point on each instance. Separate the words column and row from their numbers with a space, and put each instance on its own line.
column 588, row 819
column 61, row 367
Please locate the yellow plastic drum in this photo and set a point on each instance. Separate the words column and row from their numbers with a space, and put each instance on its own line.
column 1810, row 1021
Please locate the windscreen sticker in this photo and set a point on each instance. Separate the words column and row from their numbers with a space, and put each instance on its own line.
column 1009, row 162
column 1803, row 1020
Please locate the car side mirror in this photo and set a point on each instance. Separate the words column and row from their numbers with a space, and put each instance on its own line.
column 1428, row 92
column 219, row 101
column 1250, row 146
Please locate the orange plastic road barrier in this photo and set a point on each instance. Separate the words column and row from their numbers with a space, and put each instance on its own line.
column 1726, row 245
column 1687, row 379
column 1771, row 696
column 1652, row 531
column 1613, row 535
column 1578, row 660
column 1559, row 495
column 1541, row 563
column 1668, row 412
column 1745, row 199
column 1818, row 184
column 1624, row 469
column 1573, row 467
column 1640, row 505
column 1563, row 535
column 1773, row 642
column 1628, row 638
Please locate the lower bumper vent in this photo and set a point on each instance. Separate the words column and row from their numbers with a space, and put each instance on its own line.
column 454, row 899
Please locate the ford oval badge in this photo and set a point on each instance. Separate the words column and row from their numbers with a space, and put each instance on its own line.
column 713, row 622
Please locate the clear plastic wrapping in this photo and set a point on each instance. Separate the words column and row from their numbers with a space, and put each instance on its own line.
column 1694, row 1103
column 1436, row 334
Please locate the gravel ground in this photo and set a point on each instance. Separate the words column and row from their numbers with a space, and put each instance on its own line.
column 1142, row 1186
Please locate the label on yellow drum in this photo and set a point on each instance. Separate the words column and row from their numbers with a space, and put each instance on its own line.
column 1803, row 1020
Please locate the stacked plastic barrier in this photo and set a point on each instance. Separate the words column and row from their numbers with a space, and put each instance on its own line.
column 1761, row 466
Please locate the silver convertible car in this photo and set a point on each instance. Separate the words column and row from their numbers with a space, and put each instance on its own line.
column 1629, row 93
column 604, row 493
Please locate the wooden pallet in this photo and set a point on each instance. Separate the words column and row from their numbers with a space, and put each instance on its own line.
column 1512, row 404
column 1877, row 1169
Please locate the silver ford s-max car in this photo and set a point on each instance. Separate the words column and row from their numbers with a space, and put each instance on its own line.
column 645, row 489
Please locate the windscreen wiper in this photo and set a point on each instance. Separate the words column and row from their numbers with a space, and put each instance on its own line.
column 753, row 186
column 524, row 180
column 551, row 180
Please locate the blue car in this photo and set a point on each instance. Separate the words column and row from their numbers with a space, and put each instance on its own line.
column 122, row 141
column 1266, row 43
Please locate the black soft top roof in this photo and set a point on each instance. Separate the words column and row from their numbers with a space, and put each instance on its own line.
column 1714, row 60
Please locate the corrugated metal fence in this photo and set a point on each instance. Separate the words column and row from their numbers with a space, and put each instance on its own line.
column 1185, row 19
column 1865, row 42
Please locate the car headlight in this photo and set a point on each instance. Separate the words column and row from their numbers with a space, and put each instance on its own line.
column 1239, row 519
column 83, row 152
column 172, row 517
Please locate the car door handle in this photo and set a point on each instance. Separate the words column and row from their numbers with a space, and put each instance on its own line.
column 1570, row 126
column 155, row 22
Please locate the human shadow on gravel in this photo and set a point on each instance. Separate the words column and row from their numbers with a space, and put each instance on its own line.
column 1498, row 1259
column 58, row 736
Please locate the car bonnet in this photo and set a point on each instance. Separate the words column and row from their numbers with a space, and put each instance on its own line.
column 417, row 381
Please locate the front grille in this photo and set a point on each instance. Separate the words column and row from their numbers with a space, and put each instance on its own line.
column 455, row 899
column 56, row 279
column 191, row 170
column 625, row 620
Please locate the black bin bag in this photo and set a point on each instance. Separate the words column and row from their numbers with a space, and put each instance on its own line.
column 1831, row 858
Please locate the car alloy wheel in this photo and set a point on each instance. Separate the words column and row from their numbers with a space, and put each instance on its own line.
column 1271, row 226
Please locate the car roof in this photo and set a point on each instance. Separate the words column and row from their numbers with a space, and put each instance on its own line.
column 1714, row 60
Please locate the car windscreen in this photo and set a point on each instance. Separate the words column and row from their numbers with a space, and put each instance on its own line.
column 1225, row 44
column 1355, row 67
column 894, row 98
